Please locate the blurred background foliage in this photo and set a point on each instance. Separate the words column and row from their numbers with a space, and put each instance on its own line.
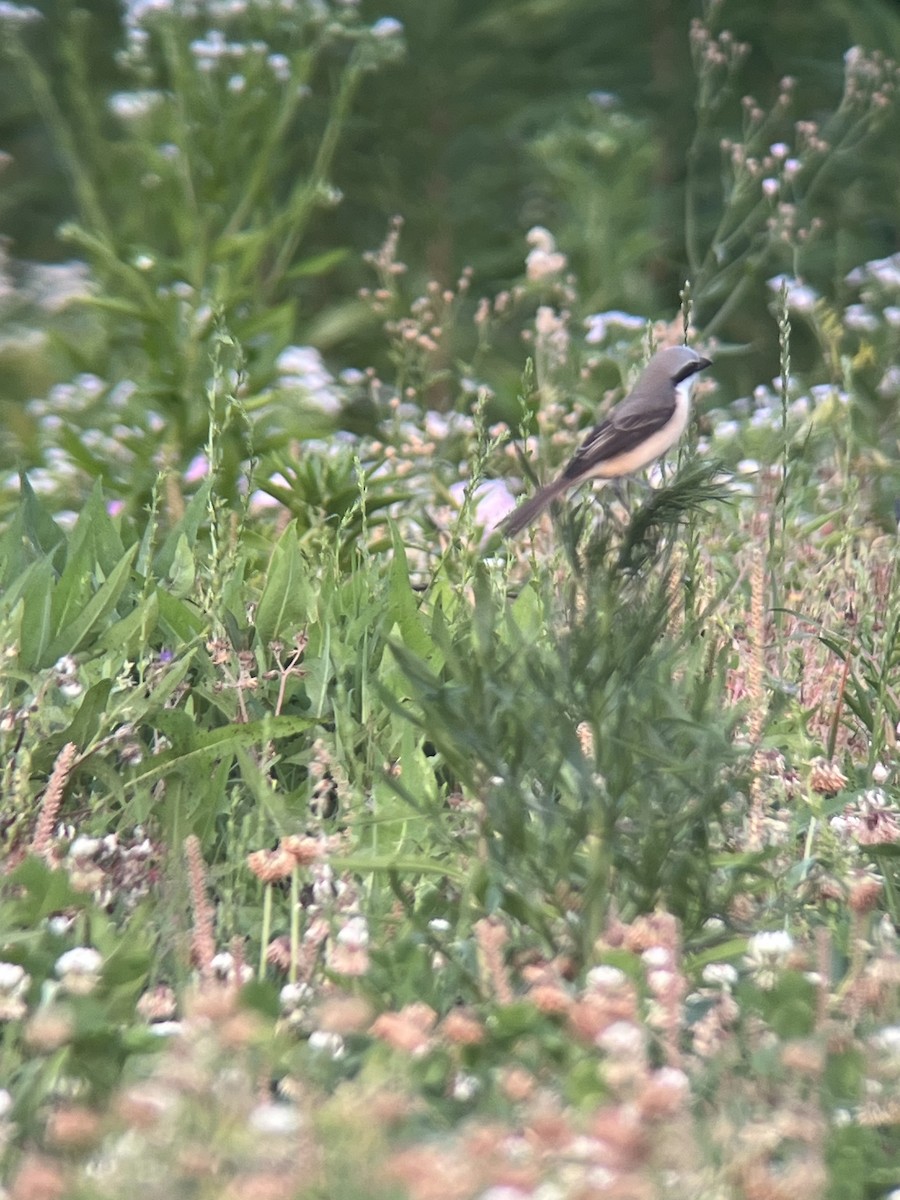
column 579, row 115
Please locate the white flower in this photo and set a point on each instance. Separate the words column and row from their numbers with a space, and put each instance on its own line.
column 84, row 847
column 543, row 260
column 657, row 957
column 720, row 975
column 767, row 953
column 293, row 996
column 492, row 501
column 801, row 298
column 887, row 1042
column 355, row 934
column 303, row 367
column 13, row 977
column 79, row 970
column 621, row 1039
column 860, row 319
column 279, row 1120
column 387, row 27
column 770, row 945
column 885, row 271
column 280, row 66
column 18, row 14
column 540, row 239
column 128, row 106
column 600, row 325
column 465, row 1087
column 604, row 978
column 325, row 1042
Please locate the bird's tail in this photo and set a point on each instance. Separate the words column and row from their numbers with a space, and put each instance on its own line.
column 526, row 513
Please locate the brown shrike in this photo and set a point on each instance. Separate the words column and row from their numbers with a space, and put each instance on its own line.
column 641, row 428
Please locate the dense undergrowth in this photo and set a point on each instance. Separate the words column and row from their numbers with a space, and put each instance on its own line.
column 349, row 849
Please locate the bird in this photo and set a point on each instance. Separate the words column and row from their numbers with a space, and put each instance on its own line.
column 641, row 428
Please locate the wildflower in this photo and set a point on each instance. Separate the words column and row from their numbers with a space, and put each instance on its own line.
column 465, row 1087
column 543, row 261
column 871, row 821
column 622, row 1039
column 664, row 1093
column 79, row 970
column 73, row 1127
column 491, row 501
column 387, row 27
column 767, row 954
column 800, row 297
column 18, row 14
column 860, row 319
column 462, row 1028
column 271, row 865
column 720, row 975
column 349, row 953
column 49, row 1028
column 826, row 779
column 157, row 1004
column 280, row 66
column 128, row 106
column 343, row 1014
column 303, row 367
column 600, row 325
column 325, row 1041
column 606, row 979
column 14, row 982
column 408, row 1029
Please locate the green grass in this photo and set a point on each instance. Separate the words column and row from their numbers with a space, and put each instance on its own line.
column 351, row 850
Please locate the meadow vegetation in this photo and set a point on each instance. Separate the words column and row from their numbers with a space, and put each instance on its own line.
column 349, row 849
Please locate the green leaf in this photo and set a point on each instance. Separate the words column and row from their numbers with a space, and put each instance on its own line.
column 403, row 607
column 87, row 721
column 39, row 526
column 284, row 606
column 180, row 620
column 34, row 629
column 318, row 264
column 194, row 515
column 130, row 635
column 182, row 572
column 217, row 742
column 102, row 602
column 95, row 529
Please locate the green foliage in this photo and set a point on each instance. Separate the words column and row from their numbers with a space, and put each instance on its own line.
column 536, row 807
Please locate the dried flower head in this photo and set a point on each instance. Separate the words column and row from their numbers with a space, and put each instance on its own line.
column 826, row 778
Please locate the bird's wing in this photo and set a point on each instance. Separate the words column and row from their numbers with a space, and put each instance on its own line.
column 638, row 416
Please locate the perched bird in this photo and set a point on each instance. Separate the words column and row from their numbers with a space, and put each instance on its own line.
column 641, row 428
